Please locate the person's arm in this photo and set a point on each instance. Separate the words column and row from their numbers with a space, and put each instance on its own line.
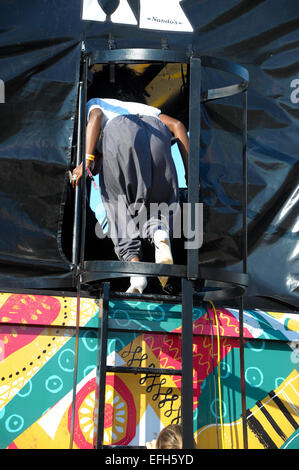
column 178, row 129
column 93, row 130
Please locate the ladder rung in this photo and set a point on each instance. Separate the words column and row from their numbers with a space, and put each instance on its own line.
column 143, row 331
column 143, row 370
column 147, row 297
column 149, row 372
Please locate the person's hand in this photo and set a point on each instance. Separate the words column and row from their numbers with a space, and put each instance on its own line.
column 151, row 444
column 77, row 175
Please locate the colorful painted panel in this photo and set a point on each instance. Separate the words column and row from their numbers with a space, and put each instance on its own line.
column 37, row 350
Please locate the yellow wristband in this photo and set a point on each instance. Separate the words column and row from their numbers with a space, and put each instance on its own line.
column 90, row 157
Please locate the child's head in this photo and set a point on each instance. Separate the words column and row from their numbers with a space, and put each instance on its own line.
column 170, row 437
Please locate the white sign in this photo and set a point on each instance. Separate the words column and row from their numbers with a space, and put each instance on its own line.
column 166, row 15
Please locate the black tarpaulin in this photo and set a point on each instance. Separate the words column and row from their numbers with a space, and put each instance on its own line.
column 40, row 58
column 40, row 44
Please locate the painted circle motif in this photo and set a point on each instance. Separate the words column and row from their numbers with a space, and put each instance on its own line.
column 90, row 341
column 66, row 360
column 14, row 423
column 120, row 414
column 254, row 376
column 54, row 384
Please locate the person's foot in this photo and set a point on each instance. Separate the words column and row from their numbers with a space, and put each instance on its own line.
column 163, row 253
column 137, row 285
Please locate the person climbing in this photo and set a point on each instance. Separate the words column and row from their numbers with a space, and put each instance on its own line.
column 137, row 174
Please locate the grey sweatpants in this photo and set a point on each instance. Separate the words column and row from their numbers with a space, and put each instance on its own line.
column 138, row 181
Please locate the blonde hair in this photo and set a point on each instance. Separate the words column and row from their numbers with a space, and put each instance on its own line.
column 171, row 437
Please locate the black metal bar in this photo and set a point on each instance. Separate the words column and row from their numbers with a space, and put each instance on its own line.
column 127, row 267
column 159, row 298
column 219, row 285
column 152, row 269
column 143, row 370
column 78, row 254
column 101, row 369
column 226, row 66
column 242, row 374
column 193, row 167
column 217, row 93
column 140, row 330
column 245, row 182
column 78, row 189
column 187, row 364
column 244, row 253
column 75, row 364
column 218, row 294
column 83, row 153
column 135, row 55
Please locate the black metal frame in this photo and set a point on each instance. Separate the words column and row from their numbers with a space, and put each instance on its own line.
column 99, row 270
column 227, row 284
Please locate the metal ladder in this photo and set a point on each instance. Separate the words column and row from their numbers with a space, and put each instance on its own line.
column 228, row 284
column 186, row 371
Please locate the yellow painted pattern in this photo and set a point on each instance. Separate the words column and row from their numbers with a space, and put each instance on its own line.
column 42, row 343
column 206, row 437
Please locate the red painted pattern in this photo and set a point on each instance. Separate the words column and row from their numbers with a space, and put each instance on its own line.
column 22, row 311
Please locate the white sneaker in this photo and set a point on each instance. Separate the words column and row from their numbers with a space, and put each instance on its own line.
column 163, row 253
column 137, row 285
